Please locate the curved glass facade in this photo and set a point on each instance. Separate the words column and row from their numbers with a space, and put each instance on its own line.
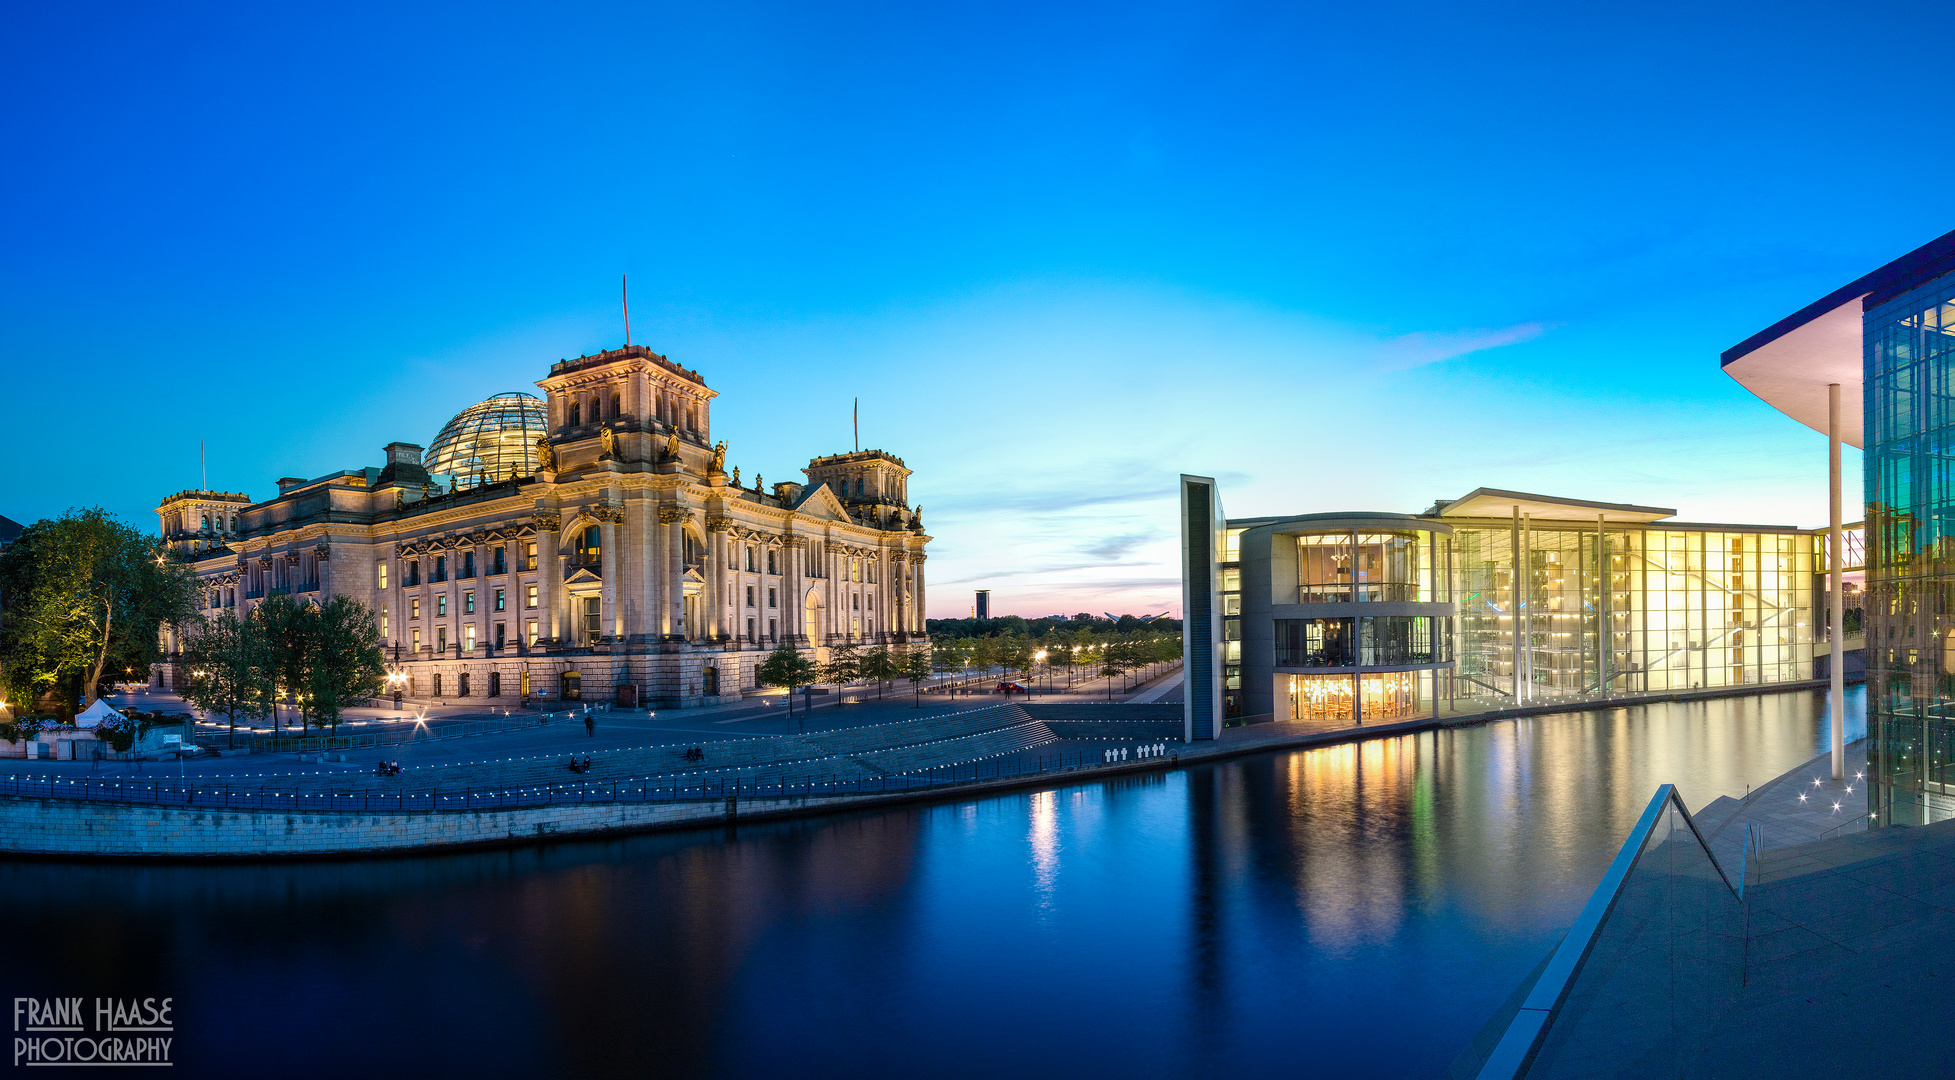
column 490, row 440
column 1340, row 567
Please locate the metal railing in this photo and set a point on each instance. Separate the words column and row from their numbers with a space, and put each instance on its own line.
column 1665, row 930
column 408, row 732
column 209, row 793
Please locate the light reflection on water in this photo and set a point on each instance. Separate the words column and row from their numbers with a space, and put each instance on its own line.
column 1357, row 907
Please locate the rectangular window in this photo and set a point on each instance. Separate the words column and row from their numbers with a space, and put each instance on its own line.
column 770, row 598
column 414, row 608
column 413, row 573
column 1323, row 698
column 440, row 568
column 500, row 630
column 441, row 639
column 440, row 604
column 1315, row 643
column 872, row 601
column 383, row 624
column 499, row 604
column 502, row 561
column 771, row 631
column 750, row 631
column 437, row 684
column 529, row 632
column 750, row 596
column 468, row 564
column 593, row 617
column 417, row 641
column 529, row 556
column 770, row 562
column 468, row 638
column 468, row 603
column 529, row 596
column 1389, row 641
column 382, row 565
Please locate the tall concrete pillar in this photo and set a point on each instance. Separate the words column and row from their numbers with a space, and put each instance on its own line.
column 1836, row 600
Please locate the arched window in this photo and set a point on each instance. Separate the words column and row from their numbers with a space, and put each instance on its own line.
column 576, row 414
column 593, row 548
column 206, row 522
column 617, row 404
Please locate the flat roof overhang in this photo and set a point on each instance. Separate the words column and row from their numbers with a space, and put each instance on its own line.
column 1790, row 364
column 1496, row 503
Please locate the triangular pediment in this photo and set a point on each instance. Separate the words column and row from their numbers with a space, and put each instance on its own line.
column 693, row 574
column 578, row 575
column 820, row 501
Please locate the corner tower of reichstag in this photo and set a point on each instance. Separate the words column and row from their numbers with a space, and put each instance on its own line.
column 612, row 558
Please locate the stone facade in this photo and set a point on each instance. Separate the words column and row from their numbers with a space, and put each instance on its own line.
column 628, row 565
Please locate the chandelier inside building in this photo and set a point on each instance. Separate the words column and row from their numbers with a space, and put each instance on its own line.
column 489, row 441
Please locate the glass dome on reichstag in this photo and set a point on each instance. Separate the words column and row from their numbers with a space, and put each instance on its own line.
column 490, row 440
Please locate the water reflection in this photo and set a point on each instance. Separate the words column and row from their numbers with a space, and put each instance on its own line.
column 1358, row 907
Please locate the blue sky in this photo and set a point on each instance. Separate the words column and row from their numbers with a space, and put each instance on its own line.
column 1340, row 256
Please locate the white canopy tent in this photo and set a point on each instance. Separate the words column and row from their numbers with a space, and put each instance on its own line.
column 95, row 714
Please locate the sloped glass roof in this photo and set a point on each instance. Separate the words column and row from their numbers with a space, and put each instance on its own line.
column 490, row 440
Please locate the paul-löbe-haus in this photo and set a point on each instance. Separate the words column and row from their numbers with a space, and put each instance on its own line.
column 588, row 545
column 1495, row 599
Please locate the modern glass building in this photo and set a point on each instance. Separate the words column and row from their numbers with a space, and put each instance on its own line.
column 1504, row 598
column 1884, row 347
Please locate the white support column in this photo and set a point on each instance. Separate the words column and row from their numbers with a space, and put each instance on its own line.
column 1835, row 600
column 549, row 575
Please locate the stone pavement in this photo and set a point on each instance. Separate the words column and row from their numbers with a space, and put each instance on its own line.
column 1803, row 805
column 1851, row 963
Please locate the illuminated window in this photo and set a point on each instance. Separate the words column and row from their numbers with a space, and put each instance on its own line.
column 441, row 605
column 529, row 596
column 468, row 638
column 383, row 573
column 499, row 599
column 414, row 608
column 468, row 603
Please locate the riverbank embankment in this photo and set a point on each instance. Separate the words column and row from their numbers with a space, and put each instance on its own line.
column 32, row 825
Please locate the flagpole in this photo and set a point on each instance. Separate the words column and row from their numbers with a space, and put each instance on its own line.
column 624, row 296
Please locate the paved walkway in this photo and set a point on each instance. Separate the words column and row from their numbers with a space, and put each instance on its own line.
column 1803, row 805
column 1851, row 967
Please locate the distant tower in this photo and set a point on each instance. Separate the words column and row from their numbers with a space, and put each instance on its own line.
column 984, row 603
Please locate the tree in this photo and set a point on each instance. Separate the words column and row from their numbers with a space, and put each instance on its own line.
column 881, row 665
column 949, row 656
column 226, row 660
column 982, row 654
column 916, row 667
column 844, row 665
column 785, row 666
column 290, row 629
column 86, row 595
column 1014, row 653
column 347, row 662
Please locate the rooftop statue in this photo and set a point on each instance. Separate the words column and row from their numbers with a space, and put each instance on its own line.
column 545, row 460
column 719, row 456
column 672, row 445
column 609, row 440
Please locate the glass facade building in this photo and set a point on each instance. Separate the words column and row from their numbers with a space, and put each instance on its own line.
column 1505, row 598
column 1910, row 580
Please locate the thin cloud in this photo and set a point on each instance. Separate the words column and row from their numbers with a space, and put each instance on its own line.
column 1430, row 347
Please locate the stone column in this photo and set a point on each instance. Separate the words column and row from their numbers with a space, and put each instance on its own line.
column 549, row 573
column 320, row 558
column 608, row 563
column 791, row 585
column 716, row 577
column 674, row 517
column 640, row 584
column 916, row 604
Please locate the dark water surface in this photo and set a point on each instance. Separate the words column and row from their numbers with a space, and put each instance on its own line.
column 1359, row 910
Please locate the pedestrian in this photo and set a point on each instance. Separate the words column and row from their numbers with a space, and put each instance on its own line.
column 590, row 727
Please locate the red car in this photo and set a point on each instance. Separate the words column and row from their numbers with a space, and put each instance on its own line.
column 1011, row 688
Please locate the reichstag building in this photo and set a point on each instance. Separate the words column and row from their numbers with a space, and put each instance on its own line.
column 590, row 544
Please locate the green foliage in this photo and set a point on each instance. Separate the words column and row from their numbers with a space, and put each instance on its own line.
column 844, row 664
column 289, row 630
column 346, row 662
column 25, row 727
column 1041, row 627
column 227, row 668
column 123, row 732
column 87, row 596
column 879, row 664
column 786, row 667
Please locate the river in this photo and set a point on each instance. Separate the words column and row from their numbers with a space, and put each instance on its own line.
column 1357, row 910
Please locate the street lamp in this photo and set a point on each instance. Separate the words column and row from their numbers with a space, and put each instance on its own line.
column 397, row 679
